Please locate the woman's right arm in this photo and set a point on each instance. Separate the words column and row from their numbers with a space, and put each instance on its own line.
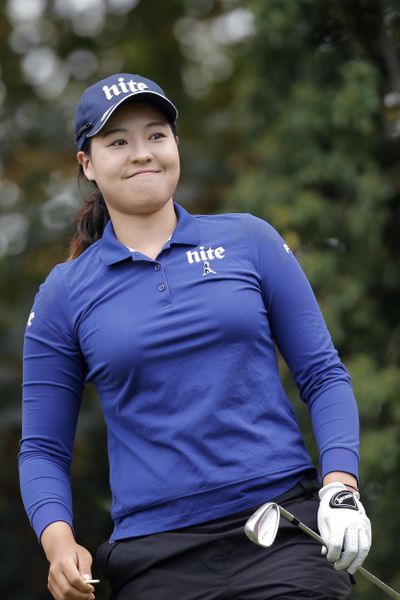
column 53, row 379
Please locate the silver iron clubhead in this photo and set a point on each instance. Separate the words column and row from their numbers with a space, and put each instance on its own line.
column 262, row 527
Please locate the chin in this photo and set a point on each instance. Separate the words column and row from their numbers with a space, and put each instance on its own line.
column 149, row 205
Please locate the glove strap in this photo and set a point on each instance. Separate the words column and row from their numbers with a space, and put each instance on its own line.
column 352, row 487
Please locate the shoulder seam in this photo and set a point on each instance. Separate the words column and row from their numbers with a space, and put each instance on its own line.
column 67, row 298
column 248, row 215
column 223, row 214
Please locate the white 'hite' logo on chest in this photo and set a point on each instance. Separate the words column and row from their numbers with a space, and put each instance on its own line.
column 196, row 256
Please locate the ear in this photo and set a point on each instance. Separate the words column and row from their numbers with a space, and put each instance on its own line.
column 177, row 140
column 85, row 161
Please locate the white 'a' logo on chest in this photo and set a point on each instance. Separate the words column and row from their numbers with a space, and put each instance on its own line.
column 196, row 256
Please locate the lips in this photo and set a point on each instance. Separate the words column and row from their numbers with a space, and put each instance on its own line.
column 143, row 172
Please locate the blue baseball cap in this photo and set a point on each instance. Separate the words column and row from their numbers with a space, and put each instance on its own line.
column 100, row 100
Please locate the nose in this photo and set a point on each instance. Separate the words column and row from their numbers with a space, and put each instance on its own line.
column 140, row 153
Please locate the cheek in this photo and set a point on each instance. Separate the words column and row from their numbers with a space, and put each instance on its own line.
column 174, row 162
column 107, row 169
column 174, row 175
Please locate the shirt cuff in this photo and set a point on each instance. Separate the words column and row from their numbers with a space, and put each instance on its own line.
column 50, row 513
column 339, row 459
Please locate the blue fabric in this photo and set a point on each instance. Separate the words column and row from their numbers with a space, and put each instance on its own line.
column 182, row 352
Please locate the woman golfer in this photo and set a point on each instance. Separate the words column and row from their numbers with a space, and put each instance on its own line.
column 174, row 317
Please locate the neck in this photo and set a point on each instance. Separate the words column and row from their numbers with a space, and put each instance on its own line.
column 145, row 232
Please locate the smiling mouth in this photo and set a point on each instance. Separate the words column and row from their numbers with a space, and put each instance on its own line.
column 143, row 172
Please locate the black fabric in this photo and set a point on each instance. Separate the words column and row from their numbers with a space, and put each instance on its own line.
column 216, row 561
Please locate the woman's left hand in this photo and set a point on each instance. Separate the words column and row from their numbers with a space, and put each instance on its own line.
column 344, row 526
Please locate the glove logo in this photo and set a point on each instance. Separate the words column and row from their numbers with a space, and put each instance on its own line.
column 343, row 500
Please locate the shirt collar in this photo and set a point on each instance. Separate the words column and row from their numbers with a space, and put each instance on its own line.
column 186, row 232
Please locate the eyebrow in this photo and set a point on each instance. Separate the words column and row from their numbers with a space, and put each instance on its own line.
column 111, row 131
column 121, row 129
column 157, row 123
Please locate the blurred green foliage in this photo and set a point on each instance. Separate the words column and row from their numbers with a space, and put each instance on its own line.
column 289, row 109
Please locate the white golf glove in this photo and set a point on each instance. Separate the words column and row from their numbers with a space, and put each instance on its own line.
column 344, row 527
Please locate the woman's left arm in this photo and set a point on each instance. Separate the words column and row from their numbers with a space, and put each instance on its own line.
column 302, row 337
column 324, row 384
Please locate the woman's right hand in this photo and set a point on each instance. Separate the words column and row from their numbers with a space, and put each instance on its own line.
column 70, row 564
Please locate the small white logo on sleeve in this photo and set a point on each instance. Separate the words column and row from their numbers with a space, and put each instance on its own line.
column 31, row 317
column 288, row 250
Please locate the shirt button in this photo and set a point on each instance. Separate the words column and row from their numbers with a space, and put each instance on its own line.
column 161, row 287
column 157, row 267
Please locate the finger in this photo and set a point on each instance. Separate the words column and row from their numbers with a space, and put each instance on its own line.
column 335, row 545
column 364, row 547
column 350, row 549
column 67, row 591
column 85, row 566
column 75, row 579
column 85, row 563
column 324, row 533
column 54, row 590
column 57, row 584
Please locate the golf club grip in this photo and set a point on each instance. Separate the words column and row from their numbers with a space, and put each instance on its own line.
column 380, row 584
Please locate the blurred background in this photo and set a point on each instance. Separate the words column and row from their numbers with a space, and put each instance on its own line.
column 289, row 109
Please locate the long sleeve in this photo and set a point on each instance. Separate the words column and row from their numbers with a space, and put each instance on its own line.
column 302, row 337
column 53, row 379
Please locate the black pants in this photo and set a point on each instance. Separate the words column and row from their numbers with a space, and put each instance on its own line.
column 216, row 561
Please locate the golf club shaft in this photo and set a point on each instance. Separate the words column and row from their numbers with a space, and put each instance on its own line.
column 380, row 584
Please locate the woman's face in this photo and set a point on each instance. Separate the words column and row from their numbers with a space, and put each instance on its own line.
column 134, row 160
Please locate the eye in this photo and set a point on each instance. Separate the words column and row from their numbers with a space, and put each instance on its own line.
column 118, row 142
column 157, row 135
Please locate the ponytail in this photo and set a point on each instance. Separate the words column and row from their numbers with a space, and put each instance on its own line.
column 89, row 222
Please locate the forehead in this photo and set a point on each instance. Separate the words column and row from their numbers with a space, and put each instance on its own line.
column 135, row 113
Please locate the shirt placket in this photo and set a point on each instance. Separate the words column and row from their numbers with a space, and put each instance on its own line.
column 160, row 287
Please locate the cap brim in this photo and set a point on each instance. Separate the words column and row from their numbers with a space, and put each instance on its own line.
column 155, row 98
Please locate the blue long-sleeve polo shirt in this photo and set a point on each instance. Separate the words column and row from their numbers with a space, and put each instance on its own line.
column 182, row 352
